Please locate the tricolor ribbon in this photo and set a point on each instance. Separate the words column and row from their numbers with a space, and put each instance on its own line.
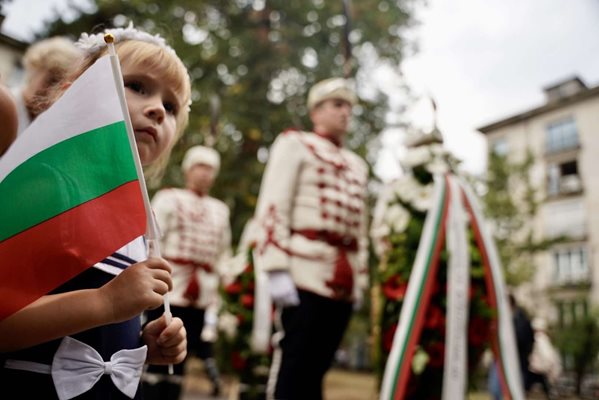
column 504, row 341
column 411, row 318
column 453, row 201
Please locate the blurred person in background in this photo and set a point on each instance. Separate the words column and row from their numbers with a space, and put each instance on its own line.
column 196, row 240
column 46, row 62
column 545, row 363
column 8, row 116
column 312, row 243
column 524, row 338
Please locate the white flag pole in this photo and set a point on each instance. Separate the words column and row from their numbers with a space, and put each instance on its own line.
column 152, row 232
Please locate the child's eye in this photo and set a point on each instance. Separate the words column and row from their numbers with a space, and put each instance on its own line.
column 170, row 108
column 135, row 86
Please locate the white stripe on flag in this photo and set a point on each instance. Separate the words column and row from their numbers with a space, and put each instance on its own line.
column 91, row 102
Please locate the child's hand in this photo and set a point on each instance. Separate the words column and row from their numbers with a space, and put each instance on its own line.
column 167, row 344
column 138, row 288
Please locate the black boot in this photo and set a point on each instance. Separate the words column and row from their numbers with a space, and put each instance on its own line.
column 212, row 371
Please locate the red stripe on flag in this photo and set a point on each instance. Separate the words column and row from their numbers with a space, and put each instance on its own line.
column 38, row 260
column 425, row 300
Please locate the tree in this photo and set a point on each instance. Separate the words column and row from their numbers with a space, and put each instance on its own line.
column 512, row 202
column 260, row 57
column 579, row 343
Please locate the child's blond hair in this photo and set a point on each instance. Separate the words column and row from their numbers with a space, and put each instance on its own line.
column 153, row 57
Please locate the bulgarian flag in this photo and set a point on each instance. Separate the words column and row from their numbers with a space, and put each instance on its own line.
column 70, row 190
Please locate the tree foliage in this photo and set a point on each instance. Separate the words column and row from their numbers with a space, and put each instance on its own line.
column 512, row 202
column 260, row 57
column 580, row 345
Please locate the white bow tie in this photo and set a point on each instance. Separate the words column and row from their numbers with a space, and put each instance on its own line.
column 77, row 367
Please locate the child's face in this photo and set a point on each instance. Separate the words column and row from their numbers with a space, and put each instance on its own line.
column 153, row 108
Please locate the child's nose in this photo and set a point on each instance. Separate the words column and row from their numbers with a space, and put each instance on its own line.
column 155, row 109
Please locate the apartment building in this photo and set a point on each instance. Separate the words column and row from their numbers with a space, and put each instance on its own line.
column 11, row 53
column 563, row 136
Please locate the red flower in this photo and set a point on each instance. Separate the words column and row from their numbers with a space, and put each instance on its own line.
column 394, row 288
column 237, row 361
column 478, row 331
column 388, row 336
column 248, row 269
column 240, row 319
column 233, row 288
column 247, row 300
column 436, row 353
column 434, row 318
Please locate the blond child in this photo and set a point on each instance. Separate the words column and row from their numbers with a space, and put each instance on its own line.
column 97, row 313
column 45, row 63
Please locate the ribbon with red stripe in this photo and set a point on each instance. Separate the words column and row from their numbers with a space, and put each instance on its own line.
column 439, row 223
column 417, row 299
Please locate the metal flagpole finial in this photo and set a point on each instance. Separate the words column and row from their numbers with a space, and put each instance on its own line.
column 109, row 38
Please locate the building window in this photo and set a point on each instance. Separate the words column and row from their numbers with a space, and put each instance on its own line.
column 563, row 178
column 561, row 135
column 570, row 266
column 568, row 312
column 500, row 147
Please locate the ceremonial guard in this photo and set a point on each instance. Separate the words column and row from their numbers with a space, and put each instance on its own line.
column 196, row 240
column 312, row 218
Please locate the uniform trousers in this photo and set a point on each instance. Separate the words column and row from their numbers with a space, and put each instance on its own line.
column 310, row 335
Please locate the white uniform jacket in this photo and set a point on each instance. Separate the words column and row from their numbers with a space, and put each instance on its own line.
column 196, row 240
column 311, row 215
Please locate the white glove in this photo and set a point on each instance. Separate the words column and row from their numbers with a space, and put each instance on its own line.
column 358, row 300
column 282, row 289
column 209, row 331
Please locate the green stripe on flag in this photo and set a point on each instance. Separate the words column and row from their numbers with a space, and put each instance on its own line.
column 64, row 176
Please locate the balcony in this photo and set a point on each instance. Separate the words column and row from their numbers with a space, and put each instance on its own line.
column 563, row 179
column 565, row 217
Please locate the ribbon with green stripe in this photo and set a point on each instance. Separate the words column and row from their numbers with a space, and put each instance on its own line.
column 397, row 369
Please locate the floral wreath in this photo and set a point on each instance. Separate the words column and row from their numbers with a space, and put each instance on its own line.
column 396, row 233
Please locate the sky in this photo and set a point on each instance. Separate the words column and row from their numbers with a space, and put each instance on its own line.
column 481, row 60
column 484, row 60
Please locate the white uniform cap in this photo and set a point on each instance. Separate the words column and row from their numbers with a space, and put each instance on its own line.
column 332, row 88
column 201, row 155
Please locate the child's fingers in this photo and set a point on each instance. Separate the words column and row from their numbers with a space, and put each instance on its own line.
column 178, row 350
column 161, row 288
column 163, row 277
column 158, row 264
column 172, row 334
